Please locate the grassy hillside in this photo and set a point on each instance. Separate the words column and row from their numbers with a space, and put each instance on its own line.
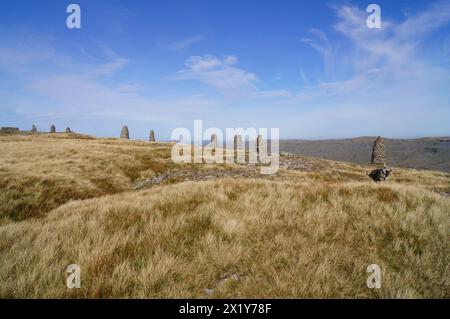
column 212, row 230
column 423, row 153
column 41, row 172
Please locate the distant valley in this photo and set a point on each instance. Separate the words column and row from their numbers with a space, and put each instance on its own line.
column 431, row 153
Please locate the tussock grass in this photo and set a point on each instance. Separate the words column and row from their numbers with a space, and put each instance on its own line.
column 299, row 234
column 40, row 172
column 284, row 239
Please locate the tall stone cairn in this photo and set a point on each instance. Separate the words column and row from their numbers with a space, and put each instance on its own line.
column 378, row 152
column 237, row 142
column 239, row 157
column 213, row 140
column 151, row 137
column 68, row 130
column 52, row 129
column 34, row 128
column 213, row 144
column 261, row 148
column 124, row 133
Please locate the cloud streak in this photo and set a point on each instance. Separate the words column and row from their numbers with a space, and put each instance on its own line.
column 184, row 44
column 381, row 60
column 221, row 74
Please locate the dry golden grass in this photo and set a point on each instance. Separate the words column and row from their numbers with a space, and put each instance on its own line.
column 300, row 234
column 40, row 172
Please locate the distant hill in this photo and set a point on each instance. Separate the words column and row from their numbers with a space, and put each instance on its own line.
column 422, row 153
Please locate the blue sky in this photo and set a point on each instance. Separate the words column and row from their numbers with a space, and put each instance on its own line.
column 313, row 69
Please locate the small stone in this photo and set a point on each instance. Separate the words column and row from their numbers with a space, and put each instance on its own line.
column 209, row 292
column 124, row 133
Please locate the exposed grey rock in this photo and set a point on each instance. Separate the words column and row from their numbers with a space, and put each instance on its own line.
column 151, row 181
column 9, row 130
column 124, row 133
column 228, row 277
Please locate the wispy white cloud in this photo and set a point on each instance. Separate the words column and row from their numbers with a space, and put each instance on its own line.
column 270, row 94
column 185, row 43
column 221, row 74
column 323, row 46
column 50, row 84
column 379, row 60
column 22, row 47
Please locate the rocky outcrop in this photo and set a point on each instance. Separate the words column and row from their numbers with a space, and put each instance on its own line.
column 9, row 130
column 287, row 161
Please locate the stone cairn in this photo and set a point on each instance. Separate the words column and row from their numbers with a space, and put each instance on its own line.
column 237, row 142
column 213, row 144
column 261, row 148
column 34, row 128
column 68, row 130
column 52, row 129
column 124, row 133
column 213, row 140
column 237, row 146
column 378, row 152
column 151, row 137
